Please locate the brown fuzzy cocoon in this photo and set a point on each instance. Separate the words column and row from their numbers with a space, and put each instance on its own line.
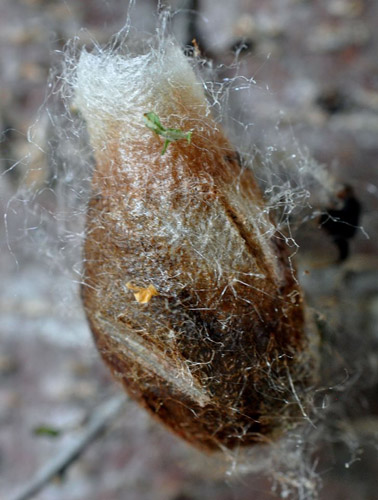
column 216, row 347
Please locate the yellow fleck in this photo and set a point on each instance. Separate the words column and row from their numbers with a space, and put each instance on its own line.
column 142, row 295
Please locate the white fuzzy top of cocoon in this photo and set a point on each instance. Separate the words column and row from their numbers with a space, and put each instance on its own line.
column 112, row 89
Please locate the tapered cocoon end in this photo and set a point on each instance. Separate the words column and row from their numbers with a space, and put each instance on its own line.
column 188, row 287
column 117, row 90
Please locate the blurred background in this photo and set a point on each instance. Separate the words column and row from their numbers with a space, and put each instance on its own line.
column 315, row 68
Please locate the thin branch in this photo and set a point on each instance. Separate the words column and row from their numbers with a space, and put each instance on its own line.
column 97, row 424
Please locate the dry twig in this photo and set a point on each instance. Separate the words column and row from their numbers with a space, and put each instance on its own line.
column 97, row 424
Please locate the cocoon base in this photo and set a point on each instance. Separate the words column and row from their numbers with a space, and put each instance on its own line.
column 187, row 283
